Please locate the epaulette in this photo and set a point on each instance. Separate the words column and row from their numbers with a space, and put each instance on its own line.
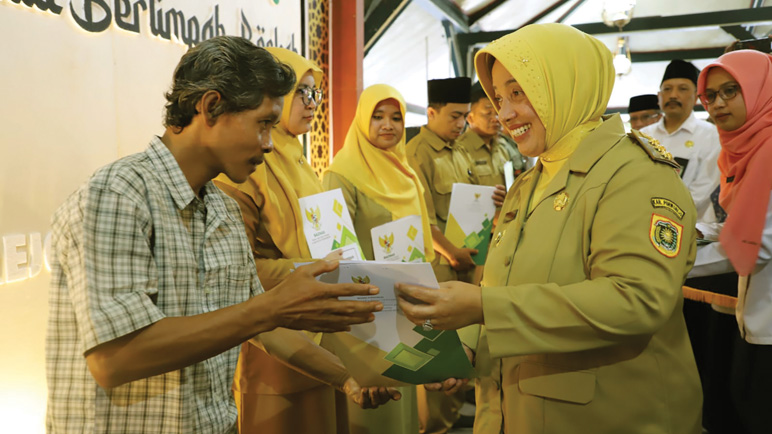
column 653, row 148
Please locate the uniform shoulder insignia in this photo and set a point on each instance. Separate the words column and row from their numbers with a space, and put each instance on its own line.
column 653, row 148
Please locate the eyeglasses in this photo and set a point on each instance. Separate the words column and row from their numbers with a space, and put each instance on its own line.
column 643, row 118
column 725, row 92
column 311, row 94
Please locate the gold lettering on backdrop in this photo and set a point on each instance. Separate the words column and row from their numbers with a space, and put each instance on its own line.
column 96, row 16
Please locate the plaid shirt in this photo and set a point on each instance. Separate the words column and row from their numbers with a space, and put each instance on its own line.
column 132, row 246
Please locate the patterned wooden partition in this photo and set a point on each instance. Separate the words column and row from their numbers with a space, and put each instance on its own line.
column 319, row 52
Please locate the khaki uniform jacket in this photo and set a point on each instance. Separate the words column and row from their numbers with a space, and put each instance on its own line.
column 582, row 300
column 488, row 160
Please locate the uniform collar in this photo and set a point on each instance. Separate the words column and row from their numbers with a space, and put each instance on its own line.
column 689, row 125
column 434, row 140
column 597, row 143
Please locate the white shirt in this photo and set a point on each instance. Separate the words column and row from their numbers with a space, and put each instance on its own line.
column 754, row 292
column 694, row 144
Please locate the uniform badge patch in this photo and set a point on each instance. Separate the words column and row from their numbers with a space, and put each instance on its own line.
column 665, row 235
column 661, row 202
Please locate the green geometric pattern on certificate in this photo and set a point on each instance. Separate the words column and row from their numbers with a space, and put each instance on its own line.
column 480, row 241
column 408, row 357
column 447, row 359
column 347, row 238
column 416, row 254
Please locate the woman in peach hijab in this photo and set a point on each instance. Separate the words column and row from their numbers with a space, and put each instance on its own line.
column 736, row 89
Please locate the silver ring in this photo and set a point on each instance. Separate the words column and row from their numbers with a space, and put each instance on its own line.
column 428, row 325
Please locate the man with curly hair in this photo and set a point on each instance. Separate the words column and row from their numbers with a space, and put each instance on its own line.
column 153, row 282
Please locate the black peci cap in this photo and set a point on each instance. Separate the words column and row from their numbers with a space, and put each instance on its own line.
column 477, row 93
column 643, row 102
column 449, row 90
column 681, row 69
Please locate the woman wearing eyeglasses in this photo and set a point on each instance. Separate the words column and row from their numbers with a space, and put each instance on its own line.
column 737, row 92
column 271, row 397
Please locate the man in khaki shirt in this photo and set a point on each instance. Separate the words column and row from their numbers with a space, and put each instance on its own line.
column 439, row 162
column 483, row 141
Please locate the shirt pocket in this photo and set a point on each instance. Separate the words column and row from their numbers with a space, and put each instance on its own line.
column 444, row 176
column 226, row 286
column 556, row 382
column 483, row 169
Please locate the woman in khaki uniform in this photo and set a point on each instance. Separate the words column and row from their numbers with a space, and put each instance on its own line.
column 379, row 186
column 271, row 397
column 580, row 304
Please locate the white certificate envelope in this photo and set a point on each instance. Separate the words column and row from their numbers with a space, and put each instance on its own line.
column 392, row 350
column 400, row 240
column 470, row 218
column 327, row 225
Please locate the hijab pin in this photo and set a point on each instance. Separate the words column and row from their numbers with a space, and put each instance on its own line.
column 525, row 60
column 560, row 201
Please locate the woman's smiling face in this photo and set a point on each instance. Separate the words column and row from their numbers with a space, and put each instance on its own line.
column 517, row 114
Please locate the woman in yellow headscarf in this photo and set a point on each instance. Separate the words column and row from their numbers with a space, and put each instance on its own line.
column 380, row 186
column 271, row 397
column 579, row 309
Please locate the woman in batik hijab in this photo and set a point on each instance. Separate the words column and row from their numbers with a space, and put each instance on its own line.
column 737, row 91
column 579, row 309
column 380, row 186
column 272, row 397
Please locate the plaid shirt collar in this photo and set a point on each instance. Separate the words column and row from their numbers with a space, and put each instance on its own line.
column 182, row 193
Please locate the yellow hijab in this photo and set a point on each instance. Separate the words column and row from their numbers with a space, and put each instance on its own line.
column 567, row 76
column 286, row 175
column 382, row 175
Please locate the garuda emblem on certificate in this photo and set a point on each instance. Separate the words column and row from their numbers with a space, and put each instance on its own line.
column 314, row 216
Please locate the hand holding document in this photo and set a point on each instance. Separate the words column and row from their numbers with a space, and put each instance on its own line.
column 391, row 350
column 400, row 240
column 470, row 218
column 327, row 225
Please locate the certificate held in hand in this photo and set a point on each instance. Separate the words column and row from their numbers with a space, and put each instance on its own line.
column 470, row 218
column 328, row 227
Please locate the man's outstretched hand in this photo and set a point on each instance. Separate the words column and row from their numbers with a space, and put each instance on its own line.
column 303, row 303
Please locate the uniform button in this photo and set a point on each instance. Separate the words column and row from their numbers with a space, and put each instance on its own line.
column 507, row 261
column 301, row 161
column 499, row 236
column 469, row 172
